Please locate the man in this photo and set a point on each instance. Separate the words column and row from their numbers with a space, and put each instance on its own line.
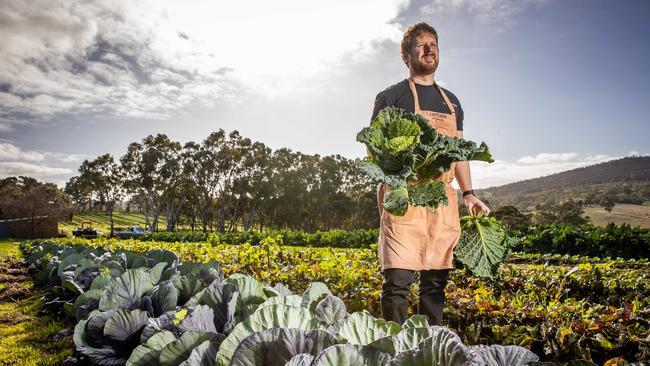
column 422, row 240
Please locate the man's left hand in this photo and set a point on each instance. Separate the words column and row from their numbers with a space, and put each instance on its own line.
column 475, row 205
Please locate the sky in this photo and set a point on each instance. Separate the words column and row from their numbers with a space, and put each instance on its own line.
column 549, row 85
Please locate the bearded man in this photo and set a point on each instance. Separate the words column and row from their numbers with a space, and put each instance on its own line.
column 422, row 240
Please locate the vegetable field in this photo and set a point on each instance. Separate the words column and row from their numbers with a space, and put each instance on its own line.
column 561, row 308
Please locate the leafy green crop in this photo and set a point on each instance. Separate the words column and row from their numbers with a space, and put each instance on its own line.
column 238, row 320
column 596, row 310
column 483, row 245
column 408, row 154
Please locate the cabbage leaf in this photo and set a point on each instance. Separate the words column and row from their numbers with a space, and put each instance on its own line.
column 405, row 151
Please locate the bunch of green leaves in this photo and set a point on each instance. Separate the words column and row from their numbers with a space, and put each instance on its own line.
column 408, row 154
column 483, row 245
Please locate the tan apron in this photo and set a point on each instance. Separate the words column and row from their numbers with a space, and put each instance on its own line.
column 422, row 239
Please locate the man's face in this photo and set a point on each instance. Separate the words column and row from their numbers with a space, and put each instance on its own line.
column 423, row 58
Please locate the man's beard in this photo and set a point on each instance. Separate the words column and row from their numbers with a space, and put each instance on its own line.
column 423, row 69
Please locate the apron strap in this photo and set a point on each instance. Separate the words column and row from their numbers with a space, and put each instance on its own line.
column 444, row 96
column 416, row 100
column 415, row 96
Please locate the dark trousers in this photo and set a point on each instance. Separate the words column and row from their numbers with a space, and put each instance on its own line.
column 395, row 289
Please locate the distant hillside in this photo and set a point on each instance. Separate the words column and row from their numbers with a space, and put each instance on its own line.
column 626, row 179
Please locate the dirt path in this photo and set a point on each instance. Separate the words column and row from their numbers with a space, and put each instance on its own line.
column 26, row 337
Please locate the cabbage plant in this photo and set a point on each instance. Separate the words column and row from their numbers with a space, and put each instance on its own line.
column 148, row 309
column 408, row 154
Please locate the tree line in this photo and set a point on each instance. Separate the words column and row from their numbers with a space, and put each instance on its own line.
column 228, row 182
column 27, row 204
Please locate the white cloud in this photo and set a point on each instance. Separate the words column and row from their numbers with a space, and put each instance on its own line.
column 28, row 169
column 503, row 172
column 544, row 158
column 150, row 59
column 10, row 152
column 15, row 161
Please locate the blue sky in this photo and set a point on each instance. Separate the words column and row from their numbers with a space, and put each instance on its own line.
column 549, row 85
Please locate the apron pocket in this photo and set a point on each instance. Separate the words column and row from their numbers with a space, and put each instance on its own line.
column 406, row 230
column 404, row 242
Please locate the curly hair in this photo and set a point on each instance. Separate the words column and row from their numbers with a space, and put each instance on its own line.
column 411, row 32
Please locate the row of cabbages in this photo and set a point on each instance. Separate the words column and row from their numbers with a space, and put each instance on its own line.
column 149, row 309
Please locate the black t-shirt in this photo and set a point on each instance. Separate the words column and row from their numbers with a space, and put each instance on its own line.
column 399, row 95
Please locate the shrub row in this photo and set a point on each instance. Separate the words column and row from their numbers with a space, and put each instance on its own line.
column 587, row 240
column 594, row 241
column 337, row 238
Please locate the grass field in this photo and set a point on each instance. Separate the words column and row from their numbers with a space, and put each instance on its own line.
column 25, row 337
column 120, row 219
column 635, row 215
column 100, row 221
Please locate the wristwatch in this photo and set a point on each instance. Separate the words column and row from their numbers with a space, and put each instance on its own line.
column 465, row 193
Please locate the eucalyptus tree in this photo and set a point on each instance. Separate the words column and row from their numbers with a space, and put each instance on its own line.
column 362, row 194
column 153, row 169
column 106, row 180
column 333, row 203
column 311, row 198
column 182, row 186
column 294, row 177
column 191, row 189
column 230, row 164
column 206, row 174
column 140, row 200
column 253, row 187
column 81, row 192
column 283, row 187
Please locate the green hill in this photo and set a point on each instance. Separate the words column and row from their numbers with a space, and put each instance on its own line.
column 627, row 180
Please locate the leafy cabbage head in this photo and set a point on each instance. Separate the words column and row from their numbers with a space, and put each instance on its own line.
column 403, row 148
column 391, row 138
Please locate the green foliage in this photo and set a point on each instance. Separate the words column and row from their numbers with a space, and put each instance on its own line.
column 423, row 193
column 568, row 212
column 128, row 332
column 403, row 147
column 483, row 245
column 337, row 238
column 511, row 216
column 228, row 182
column 42, row 203
column 570, row 305
column 117, row 335
column 596, row 241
